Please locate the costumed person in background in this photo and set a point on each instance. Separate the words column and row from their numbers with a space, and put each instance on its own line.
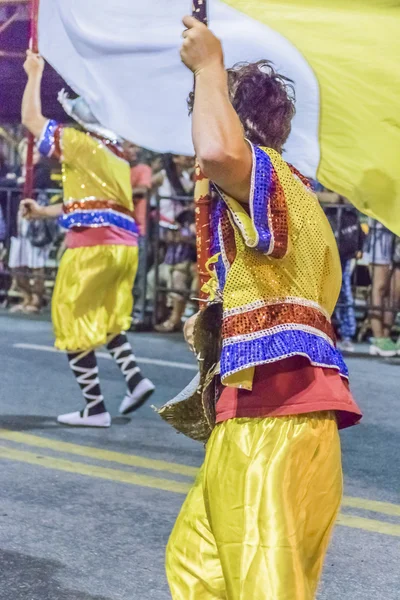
column 92, row 300
column 258, row 520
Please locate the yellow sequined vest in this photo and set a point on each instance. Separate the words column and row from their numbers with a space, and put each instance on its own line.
column 278, row 271
column 96, row 178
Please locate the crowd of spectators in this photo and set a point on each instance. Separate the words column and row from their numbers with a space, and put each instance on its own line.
column 166, row 287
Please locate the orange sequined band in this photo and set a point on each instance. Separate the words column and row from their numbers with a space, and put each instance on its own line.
column 228, row 238
column 271, row 316
column 279, row 217
column 95, row 204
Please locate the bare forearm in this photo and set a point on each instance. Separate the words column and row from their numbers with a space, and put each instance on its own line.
column 218, row 137
column 215, row 123
column 53, row 211
column 32, row 116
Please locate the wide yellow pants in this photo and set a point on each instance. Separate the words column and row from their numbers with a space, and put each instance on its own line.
column 257, row 523
column 93, row 295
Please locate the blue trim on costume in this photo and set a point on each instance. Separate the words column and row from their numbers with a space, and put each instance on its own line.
column 280, row 345
column 259, row 203
column 46, row 143
column 97, row 218
column 217, row 212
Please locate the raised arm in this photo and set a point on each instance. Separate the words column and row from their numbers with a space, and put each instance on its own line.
column 31, row 111
column 223, row 154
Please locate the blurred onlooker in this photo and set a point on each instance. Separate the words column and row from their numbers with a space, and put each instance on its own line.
column 3, row 226
column 178, row 271
column 8, row 179
column 30, row 247
column 385, row 294
column 350, row 238
column 174, row 179
column 141, row 180
column 4, row 168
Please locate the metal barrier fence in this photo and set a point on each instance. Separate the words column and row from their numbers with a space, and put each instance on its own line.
column 371, row 281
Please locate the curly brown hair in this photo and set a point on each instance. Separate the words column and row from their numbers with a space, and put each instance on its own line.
column 264, row 101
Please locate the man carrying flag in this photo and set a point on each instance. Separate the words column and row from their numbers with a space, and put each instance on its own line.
column 92, row 300
column 258, row 520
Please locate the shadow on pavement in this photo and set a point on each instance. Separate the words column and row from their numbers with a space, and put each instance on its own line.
column 24, row 577
column 32, row 422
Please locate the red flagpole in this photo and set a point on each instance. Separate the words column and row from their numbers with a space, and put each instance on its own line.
column 203, row 204
column 33, row 44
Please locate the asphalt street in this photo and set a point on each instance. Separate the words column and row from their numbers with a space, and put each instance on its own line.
column 86, row 514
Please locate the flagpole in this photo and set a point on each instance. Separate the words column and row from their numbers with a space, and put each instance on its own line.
column 203, row 204
column 34, row 46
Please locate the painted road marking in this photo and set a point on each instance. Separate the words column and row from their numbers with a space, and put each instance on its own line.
column 49, row 462
column 166, row 485
column 98, row 453
column 61, row 464
column 385, row 508
column 140, row 359
column 372, row 525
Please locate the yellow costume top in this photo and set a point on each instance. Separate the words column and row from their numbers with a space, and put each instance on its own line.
column 96, row 178
column 278, row 272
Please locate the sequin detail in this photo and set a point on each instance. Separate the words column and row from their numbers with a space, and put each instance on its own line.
column 267, row 205
column 274, row 309
column 261, row 185
column 47, row 144
column 113, row 145
column 271, row 301
column 217, row 212
column 278, row 346
column 92, row 203
column 262, row 319
column 255, row 335
column 278, row 218
column 98, row 218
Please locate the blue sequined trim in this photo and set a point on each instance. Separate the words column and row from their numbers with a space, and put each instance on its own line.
column 277, row 346
column 97, row 218
column 259, row 202
column 46, row 142
column 217, row 211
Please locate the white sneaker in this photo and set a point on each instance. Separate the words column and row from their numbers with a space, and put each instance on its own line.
column 76, row 420
column 135, row 399
column 346, row 346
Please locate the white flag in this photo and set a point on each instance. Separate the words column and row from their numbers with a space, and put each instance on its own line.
column 123, row 57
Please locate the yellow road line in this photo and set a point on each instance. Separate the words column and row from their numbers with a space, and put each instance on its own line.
column 369, row 525
column 98, row 453
column 160, row 465
column 69, row 466
column 384, row 508
column 167, row 485
column 132, row 460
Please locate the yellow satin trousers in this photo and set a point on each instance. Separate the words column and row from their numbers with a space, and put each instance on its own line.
column 257, row 523
column 93, row 295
